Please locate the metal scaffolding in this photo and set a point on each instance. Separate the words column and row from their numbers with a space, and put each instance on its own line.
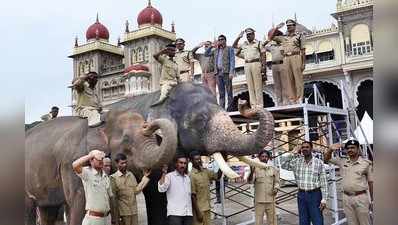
column 317, row 121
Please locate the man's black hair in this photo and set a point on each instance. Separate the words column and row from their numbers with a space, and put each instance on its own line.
column 193, row 154
column 223, row 36
column 265, row 152
column 120, row 156
column 54, row 108
column 308, row 142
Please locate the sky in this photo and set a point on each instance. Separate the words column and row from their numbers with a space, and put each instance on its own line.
column 39, row 37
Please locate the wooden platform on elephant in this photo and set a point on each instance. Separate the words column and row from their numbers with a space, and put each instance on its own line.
column 293, row 111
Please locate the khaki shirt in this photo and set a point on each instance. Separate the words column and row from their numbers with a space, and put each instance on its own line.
column 87, row 98
column 97, row 189
column 356, row 175
column 125, row 188
column 251, row 50
column 170, row 71
column 293, row 43
column 275, row 51
column 184, row 60
column 200, row 185
column 265, row 184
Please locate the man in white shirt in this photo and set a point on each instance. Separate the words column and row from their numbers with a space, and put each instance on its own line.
column 177, row 186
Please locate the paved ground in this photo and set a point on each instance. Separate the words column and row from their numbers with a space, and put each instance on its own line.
column 236, row 203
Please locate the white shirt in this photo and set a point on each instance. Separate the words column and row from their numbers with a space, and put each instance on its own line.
column 97, row 189
column 178, row 192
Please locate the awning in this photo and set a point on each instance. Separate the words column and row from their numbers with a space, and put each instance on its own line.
column 309, row 49
column 325, row 46
column 360, row 33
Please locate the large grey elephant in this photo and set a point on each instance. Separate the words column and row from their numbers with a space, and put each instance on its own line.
column 201, row 124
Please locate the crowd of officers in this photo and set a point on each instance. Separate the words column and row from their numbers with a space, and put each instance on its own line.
column 111, row 198
column 218, row 69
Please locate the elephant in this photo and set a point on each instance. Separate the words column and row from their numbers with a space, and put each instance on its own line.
column 199, row 122
column 52, row 146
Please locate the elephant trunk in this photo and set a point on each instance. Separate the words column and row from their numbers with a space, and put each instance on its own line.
column 150, row 154
column 224, row 136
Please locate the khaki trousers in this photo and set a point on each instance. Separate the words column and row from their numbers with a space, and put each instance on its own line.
column 93, row 220
column 295, row 75
column 268, row 209
column 165, row 88
column 356, row 209
column 209, row 80
column 254, row 83
column 91, row 113
column 129, row 220
column 206, row 218
column 186, row 77
column 282, row 88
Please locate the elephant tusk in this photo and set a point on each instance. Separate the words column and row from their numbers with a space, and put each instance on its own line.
column 253, row 162
column 224, row 166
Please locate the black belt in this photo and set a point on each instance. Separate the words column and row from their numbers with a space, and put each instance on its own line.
column 312, row 190
column 277, row 62
column 291, row 53
column 355, row 193
column 184, row 71
column 252, row 60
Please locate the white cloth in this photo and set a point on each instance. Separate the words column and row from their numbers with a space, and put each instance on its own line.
column 178, row 192
column 91, row 113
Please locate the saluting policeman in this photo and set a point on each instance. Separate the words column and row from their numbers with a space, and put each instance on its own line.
column 357, row 174
column 294, row 57
column 184, row 61
column 253, row 52
column 266, row 184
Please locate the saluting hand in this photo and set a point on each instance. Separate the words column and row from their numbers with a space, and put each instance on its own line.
column 241, row 34
column 279, row 26
column 322, row 206
column 164, row 168
column 147, row 172
column 335, row 146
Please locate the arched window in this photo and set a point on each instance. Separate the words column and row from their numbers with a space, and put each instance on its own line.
column 140, row 55
column 360, row 39
column 133, row 56
column 115, row 90
column 91, row 64
column 105, row 90
column 325, row 51
column 146, row 53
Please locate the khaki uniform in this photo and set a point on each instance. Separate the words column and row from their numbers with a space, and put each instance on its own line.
column 266, row 186
column 126, row 188
column 97, row 190
column 356, row 176
column 251, row 53
column 169, row 76
column 200, row 185
column 292, row 46
column 184, row 60
column 88, row 104
column 282, row 88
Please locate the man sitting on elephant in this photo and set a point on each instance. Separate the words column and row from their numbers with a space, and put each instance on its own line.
column 97, row 187
column 88, row 105
column 170, row 76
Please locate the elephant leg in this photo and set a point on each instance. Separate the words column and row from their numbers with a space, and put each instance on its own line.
column 156, row 202
column 30, row 211
column 74, row 196
column 48, row 215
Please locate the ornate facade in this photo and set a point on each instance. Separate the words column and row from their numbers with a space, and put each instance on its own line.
column 341, row 52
